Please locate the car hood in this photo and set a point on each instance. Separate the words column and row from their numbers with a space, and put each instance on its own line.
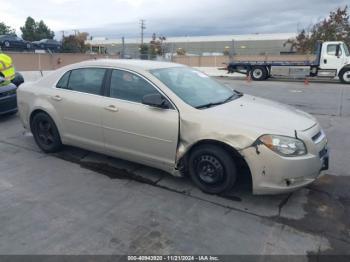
column 263, row 114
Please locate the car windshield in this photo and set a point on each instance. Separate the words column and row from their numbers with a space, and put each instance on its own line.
column 194, row 87
column 346, row 49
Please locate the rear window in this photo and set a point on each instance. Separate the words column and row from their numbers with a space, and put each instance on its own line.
column 63, row 83
column 85, row 80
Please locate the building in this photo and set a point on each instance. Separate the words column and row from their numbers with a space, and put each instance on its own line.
column 252, row 44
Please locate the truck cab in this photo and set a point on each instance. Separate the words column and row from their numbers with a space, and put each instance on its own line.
column 334, row 56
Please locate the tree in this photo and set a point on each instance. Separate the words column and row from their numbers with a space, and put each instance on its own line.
column 154, row 49
column 43, row 31
column 156, row 46
column 35, row 31
column 144, row 51
column 6, row 30
column 335, row 27
column 75, row 43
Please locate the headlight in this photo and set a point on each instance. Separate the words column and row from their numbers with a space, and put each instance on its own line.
column 283, row 145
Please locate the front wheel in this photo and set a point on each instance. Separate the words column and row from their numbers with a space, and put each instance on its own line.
column 345, row 76
column 45, row 133
column 259, row 73
column 212, row 169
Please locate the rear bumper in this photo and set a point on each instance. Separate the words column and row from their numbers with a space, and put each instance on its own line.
column 8, row 104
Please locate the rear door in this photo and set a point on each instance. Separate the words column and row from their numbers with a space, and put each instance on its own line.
column 78, row 100
column 136, row 131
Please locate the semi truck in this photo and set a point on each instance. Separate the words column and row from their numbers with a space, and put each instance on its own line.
column 330, row 61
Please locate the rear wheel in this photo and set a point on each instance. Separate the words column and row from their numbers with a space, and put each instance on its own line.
column 45, row 133
column 345, row 76
column 259, row 73
column 212, row 169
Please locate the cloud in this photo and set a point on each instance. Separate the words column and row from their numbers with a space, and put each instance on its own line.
column 116, row 18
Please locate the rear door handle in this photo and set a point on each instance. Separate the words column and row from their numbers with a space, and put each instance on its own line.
column 56, row 98
column 112, row 108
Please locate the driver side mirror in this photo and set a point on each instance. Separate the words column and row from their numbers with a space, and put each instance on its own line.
column 155, row 100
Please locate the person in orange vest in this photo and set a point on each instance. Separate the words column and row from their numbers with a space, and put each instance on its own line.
column 7, row 70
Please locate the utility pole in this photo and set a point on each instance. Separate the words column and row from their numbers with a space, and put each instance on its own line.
column 62, row 36
column 123, row 48
column 143, row 27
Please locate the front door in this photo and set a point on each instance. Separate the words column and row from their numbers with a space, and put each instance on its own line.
column 330, row 59
column 135, row 131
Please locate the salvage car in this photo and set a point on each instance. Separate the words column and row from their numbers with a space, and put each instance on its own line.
column 48, row 44
column 8, row 99
column 176, row 119
column 13, row 42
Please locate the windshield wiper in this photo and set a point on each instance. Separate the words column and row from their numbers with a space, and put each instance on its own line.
column 209, row 105
column 240, row 94
column 234, row 95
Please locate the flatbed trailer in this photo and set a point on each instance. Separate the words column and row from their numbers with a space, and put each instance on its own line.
column 332, row 61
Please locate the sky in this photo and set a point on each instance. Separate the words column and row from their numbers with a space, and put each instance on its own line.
column 117, row 18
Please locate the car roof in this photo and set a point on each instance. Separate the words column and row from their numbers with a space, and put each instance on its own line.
column 4, row 36
column 127, row 64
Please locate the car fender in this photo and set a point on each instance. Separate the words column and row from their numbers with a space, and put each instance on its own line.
column 192, row 133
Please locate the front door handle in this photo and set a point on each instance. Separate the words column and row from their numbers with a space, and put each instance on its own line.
column 112, row 108
column 56, row 98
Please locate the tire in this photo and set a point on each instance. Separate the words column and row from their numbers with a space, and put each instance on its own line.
column 45, row 133
column 212, row 169
column 259, row 73
column 345, row 76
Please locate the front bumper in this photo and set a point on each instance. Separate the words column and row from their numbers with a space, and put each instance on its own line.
column 275, row 174
column 8, row 100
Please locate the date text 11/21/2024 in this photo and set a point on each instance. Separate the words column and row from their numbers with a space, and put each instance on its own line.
column 174, row 258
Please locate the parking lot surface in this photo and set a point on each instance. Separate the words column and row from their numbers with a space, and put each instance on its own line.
column 79, row 202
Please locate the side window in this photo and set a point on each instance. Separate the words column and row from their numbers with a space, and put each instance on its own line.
column 63, row 83
column 130, row 87
column 87, row 80
column 332, row 50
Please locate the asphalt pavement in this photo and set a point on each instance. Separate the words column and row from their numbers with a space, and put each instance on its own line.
column 79, row 202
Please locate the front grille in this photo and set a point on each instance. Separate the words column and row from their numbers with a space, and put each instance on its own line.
column 323, row 152
column 317, row 136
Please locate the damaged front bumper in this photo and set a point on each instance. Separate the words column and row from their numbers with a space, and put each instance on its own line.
column 274, row 174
